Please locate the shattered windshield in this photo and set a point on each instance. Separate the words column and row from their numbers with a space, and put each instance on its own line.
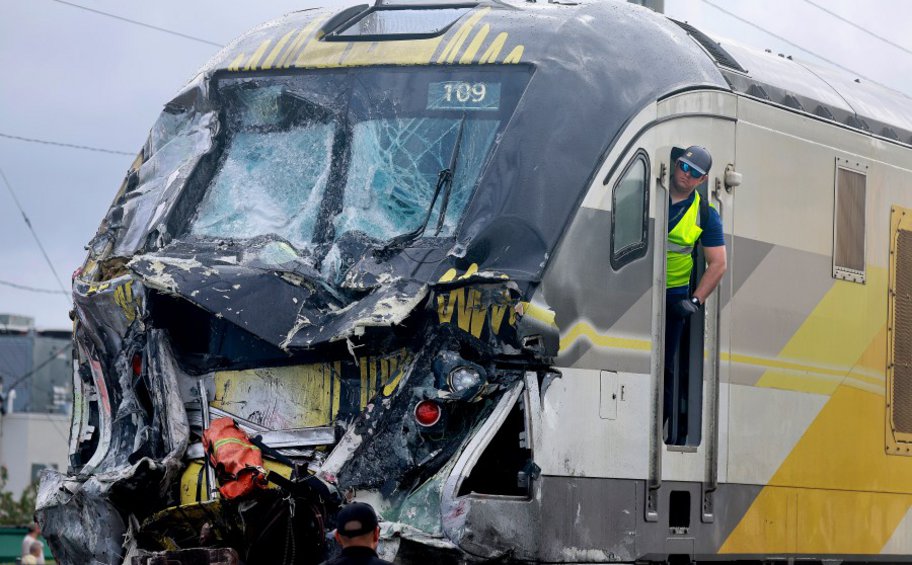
column 379, row 152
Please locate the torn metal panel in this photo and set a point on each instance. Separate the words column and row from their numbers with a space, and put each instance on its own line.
column 79, row 520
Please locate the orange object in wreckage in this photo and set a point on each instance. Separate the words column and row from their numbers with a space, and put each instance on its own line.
column 237, row 462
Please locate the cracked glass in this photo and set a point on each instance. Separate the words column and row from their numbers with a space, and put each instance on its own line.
column 309, row 158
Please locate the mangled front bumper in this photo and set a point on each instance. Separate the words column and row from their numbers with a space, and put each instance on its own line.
column 339, row 383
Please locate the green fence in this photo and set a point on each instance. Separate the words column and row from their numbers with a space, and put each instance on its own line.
column 11, row 545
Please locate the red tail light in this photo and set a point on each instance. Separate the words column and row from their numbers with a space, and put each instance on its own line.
column 137, row 364
column 428, row 413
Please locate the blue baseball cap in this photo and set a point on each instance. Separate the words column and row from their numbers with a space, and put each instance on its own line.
column 698, row 158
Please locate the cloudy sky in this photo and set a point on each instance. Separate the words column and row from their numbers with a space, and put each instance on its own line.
column 78, row 77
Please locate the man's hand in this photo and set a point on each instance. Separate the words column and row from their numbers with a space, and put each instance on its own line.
column 686, row 307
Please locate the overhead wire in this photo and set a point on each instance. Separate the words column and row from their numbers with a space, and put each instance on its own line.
column 142, row 24
column 28, row 223
column 791, row 43
column 859, row 27
column 55, row 353
column 30, row 288
column 61, row 144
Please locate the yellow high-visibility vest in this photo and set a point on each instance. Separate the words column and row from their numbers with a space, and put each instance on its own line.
column 681, row 241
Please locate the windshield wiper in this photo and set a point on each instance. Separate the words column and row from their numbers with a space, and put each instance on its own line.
column 445, row 185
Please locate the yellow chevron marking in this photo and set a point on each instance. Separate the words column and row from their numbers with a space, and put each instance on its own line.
column 493, row 50
column 469, row 55
column 455, row 43
column 257, row 55
column 515, row 55
column 836, row 333
column 292, row 52
column 123, row 297
column 236, row 63
column 837, row 491
column 267, row 64
column 584, row 329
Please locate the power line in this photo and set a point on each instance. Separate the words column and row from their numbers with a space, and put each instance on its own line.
column 858, row 27
column 54, row 354
column 786, row 41
column 28, row 223
column 30, row 288
column 143, row 24
column 60, row 144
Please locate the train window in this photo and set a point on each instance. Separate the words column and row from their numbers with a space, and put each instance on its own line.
column 630, row 212
column 356, row 156
column 849, row 223
column 402, row 22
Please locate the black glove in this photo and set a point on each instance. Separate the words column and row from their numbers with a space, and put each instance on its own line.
column 686, row 307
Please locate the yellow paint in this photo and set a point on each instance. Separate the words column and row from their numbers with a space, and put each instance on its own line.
column 237, row 62
column 257, row 55
column 267, row 64
column 850, row 494
column 539, row 313
column 325, row 54
column 843, row 492
column 336, row 388
column 123, row 297
column 293, row 51
column 493, row 50
column 515, row 55
column 391, row 386
column 455, row 43
column 194, row 473
column 308, row 50
column 99, row 287
column 298, row 396
column 472, row 311
column 469, row 55
column 584, row 329
column 448, row 276
column 836, row 333
column 364, row 378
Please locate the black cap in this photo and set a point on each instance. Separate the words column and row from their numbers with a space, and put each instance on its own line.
column 359, row 512
column 698, row 158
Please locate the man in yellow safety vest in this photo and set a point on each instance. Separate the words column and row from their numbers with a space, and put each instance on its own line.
column 691, row 220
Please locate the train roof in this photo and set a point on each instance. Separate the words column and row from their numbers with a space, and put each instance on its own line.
column 832, row 95
column 541, row 33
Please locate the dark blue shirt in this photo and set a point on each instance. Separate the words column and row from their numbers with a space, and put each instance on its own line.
column 712, row 232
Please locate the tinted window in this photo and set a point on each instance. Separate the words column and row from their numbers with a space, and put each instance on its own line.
column 629, row 212
column 404, row 22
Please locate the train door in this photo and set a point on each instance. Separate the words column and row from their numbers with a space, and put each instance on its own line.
column 686, row 428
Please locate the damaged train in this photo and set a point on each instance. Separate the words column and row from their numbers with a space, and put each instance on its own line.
column 416, row 252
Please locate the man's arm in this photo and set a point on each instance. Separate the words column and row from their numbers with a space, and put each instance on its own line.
column 716, row 264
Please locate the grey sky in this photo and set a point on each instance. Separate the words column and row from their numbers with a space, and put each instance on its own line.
column 77, row 77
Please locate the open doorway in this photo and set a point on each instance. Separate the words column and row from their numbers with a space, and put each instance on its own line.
column 684, row 338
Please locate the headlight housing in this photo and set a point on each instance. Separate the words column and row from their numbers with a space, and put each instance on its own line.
column 463, row 378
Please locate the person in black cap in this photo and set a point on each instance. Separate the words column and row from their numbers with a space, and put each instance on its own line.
column 358, row 532
column 691, row 220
